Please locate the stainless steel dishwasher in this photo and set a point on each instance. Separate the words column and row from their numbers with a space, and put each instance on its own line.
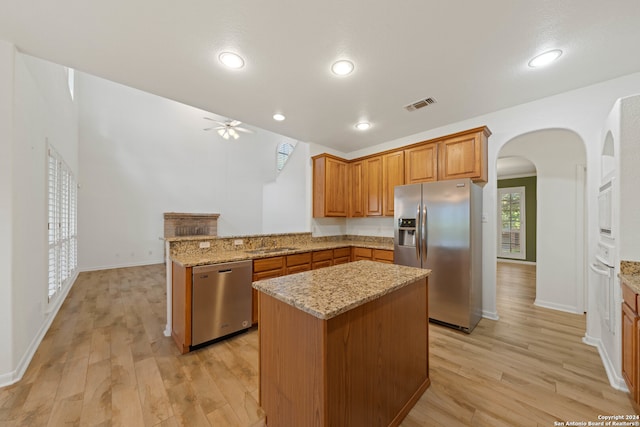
column 221, row 300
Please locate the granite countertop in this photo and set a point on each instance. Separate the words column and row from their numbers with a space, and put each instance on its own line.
column 630, row 275
column 216, row 257
column 328, row 292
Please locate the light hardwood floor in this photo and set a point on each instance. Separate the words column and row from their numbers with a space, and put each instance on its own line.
column 106, row 362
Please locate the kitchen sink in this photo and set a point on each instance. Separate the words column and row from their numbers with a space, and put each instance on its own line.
column 270, row 250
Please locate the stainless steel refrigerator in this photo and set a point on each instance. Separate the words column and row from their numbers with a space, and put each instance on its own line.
column 438, row 225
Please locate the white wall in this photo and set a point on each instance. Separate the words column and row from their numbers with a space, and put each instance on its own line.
column 6, row 210
column 582, row 111
column 629, row 178
column 284, row 201
column 142, row 155
column 42, row 111
column 556, row 155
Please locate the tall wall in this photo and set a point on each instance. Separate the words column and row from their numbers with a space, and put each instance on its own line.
column 42, row 112
column 7, row 59
column 142, row 155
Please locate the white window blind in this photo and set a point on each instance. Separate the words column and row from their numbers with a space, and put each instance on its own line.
column 62, row 223
column 282, row 154
column 511, row 226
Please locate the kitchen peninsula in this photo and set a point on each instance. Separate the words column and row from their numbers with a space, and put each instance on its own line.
column 343, row 345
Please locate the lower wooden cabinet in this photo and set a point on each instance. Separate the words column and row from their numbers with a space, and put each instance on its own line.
column 298, row 263
column 265, row 268
column 380, row 255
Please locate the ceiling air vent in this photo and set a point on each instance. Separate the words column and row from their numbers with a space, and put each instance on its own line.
column 419, row 104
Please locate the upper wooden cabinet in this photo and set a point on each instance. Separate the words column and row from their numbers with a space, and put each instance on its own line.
column 330, row 178
column 392, row 175
column 464, row 156
column 421, row 163
column 373, row 187
column 356, row 189
column 365, row 186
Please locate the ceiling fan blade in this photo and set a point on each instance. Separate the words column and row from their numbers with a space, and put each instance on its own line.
column 243, row 130
column 234, row 123
column 207, row 128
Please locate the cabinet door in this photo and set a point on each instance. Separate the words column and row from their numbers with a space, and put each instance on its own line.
column 356, row 189
column 330, row 175
column 336, row 184
column 463, row 157
column 421, row 163
column 322, row 264
column 373, row 186
column 630, row 349
column 392, row 175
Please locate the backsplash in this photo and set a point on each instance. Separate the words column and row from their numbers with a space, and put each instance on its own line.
column 191, row 244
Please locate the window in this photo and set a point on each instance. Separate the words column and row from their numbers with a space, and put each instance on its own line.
column 282, row 154
column 511, row 227
column 62, row 223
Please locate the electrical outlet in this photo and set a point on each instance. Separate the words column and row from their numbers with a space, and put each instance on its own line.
column 237, row 242
column 204, row 245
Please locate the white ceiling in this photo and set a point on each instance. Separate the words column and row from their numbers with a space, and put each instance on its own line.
column 470, row 55
column 514, row 166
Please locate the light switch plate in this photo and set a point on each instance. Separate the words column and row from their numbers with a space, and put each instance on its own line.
column 204, row 245
column 237, row 242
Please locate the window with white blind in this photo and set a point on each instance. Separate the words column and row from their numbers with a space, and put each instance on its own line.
column 283, row 152
column 511, row 223
column 62, row 223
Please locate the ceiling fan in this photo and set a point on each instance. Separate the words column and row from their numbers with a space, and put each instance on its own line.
column 228, row 129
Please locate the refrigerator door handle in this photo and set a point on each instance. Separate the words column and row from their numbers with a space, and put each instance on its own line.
column 417, row 232
column 425, row 236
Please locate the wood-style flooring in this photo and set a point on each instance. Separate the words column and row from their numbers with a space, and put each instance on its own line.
column 106, row 362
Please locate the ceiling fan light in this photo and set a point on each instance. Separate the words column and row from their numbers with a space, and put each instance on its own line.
column 342, row 67
column 231, row 60
column 545, row 58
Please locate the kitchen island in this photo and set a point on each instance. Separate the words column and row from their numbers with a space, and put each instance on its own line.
column 343, row 345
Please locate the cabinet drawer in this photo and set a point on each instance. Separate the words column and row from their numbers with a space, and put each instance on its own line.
column 270, row 274
column 362, row 253
column 322, row 264
column 322, row 255
column 298, row 268
column 298, row 259
column 630, row 297
column 341, row 252
column 383, row 255
column 266, row 264
column 341, row 260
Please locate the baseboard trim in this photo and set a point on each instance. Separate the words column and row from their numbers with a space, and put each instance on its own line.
column 491, row 315
column 124, row 265
column 50, row 314
column 554, row 306
column 615, row 380
column 515, row 261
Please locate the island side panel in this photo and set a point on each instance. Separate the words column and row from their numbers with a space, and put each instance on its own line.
column 377, row 359
column 292, row 381
column 181, row 306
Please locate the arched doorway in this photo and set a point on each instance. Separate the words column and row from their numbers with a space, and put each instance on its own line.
column 559, row 156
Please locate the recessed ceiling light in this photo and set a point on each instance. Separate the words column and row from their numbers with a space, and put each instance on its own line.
column 363, row 125
column 279, row 117
column 545, row 58
column 231, row 60
column 342, row 67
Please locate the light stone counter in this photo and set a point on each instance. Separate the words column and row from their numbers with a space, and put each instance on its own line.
column 195, row 258
column 328, row 292
column 630, row 275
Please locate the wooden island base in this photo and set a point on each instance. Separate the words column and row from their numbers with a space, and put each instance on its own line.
column 365, row 367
